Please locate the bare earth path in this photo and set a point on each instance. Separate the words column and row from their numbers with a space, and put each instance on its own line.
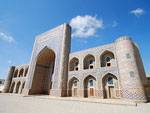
column 19, row 104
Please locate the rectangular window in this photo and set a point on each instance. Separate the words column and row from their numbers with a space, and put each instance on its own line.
column 90, row 82
column 91, row 66
column 75, row 83
column 108, row 64
column 131, row 74
column 128, row 56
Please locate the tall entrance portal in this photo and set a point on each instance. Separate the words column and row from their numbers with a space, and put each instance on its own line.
column 48, row 68
column 43, row 73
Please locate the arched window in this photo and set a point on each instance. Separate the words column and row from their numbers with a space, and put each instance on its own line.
column 110, row 80
column 106, row 59
column 91, row 83
column 89, row 62
column 75, row 83
column 73, row 65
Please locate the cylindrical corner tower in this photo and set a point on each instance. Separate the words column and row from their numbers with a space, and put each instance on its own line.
column 131, row 76
column 8, row 79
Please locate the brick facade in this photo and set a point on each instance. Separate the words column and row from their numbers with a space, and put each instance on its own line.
column 110, row 71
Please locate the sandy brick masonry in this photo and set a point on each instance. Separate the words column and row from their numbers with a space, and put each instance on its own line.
column 112, row 71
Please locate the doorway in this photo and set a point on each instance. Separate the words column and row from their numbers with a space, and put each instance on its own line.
column 42, row 80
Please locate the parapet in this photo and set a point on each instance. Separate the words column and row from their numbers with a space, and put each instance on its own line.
column 21, row 65
column 121, row 38
column 51, row 32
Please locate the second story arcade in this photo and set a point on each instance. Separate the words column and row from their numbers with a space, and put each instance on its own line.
column 93, row 58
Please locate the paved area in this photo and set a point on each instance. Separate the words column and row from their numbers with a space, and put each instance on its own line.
column 44, row 104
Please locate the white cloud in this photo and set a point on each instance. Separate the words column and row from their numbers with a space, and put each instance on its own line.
column 6, row 37
column 137, row 12
column 85, row 26
column 114, row 24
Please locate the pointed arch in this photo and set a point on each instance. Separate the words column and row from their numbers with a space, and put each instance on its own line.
column 89, row 86
column 106, row 58
column 26, row 71
column 21, row 72
column 18, row 87
column 16, row 73
column 22, row 87
column 73, row 86
column 12, row 87
column 73, row 64
column 42, row 80
column 89, row 61
column 110, row 85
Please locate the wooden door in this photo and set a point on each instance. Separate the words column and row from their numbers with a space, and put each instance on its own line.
column 75, row 92
column 91, row 91
column 111, row 92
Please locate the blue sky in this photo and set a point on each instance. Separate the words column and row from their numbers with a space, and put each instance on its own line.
column 22, row 20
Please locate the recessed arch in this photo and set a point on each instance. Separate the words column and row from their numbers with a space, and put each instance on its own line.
column 73, row 64
column 106, row 58
column 89, row 61
column 73, row 86
column 18, row 87
column 44, row 69
column 110, row 85
column 26, row 71
column 22, row 87
column 21, row 72
column 16, row 73
column 12, row 87
column 89, row 86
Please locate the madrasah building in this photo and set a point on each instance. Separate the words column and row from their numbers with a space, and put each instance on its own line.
column 113, row 70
